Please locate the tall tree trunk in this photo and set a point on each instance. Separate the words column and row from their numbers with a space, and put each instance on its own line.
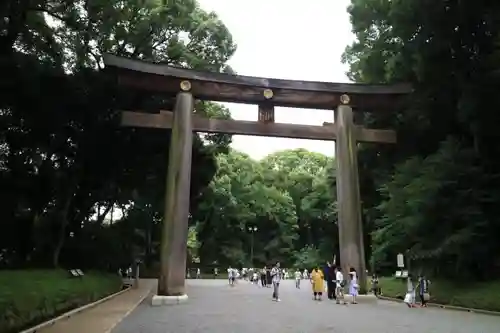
column 61, row 237
column 112, row 214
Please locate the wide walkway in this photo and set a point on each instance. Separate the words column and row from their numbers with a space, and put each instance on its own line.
column 215, row 307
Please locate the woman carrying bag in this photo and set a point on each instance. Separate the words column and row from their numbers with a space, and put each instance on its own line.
column 423, row 290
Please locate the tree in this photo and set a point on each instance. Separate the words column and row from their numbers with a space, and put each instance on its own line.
column 63, row 155
column 285, row 195
column 300, row 173
column 448, row 51
column 235, row 200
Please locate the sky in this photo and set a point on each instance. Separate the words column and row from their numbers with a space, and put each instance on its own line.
column 298, row 40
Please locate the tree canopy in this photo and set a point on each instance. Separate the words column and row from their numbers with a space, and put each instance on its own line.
column 269, row 195
column 65, row 162
column 78, row 190
column 435, row 194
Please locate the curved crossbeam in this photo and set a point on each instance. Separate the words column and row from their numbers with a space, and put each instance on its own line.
column 251, row 90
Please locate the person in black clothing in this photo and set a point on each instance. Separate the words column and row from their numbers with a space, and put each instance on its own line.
column 269, row 278
column 330, row 281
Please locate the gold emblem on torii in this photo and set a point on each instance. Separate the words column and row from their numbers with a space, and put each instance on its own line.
column 266, row 112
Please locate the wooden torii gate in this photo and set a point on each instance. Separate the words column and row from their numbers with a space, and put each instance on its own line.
column 267, row 93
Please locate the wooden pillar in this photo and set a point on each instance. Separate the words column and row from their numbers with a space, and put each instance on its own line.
column 175, row 220
column 348, row 196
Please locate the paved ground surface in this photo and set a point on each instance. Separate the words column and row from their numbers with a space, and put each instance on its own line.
column 103, row 317
column 215, row 307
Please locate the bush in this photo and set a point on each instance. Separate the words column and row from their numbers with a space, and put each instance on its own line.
column 482, row 295
column 30, row 297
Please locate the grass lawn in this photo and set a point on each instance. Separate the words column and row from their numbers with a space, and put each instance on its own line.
column 485, row 295
column 29, row 297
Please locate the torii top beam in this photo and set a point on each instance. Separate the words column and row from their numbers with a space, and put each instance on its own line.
column 250, row 90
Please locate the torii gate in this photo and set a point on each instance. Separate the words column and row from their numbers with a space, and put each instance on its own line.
column 267, row 93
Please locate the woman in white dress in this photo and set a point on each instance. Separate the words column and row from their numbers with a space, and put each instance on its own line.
column 410, row 293
column 353, row 285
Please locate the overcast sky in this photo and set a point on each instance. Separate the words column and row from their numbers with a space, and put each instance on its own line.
column 300, row 40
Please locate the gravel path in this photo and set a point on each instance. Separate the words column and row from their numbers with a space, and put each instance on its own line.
column 215, row 307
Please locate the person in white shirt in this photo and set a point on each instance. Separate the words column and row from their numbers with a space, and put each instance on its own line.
column 340, row 284
column 276, row 278
column 305, row 275
column 298, row 276
column 255, row 278
column 231, row 274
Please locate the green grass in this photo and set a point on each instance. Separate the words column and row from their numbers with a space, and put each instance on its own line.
column 29, row 297
column 484, row 296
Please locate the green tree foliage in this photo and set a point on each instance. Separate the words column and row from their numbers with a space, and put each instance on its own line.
column 237, row 200
column 287, row 196
column 308, row 178
column 435, row 193
column 64, row 161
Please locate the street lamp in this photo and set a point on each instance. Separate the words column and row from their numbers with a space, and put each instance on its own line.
column 251, row 230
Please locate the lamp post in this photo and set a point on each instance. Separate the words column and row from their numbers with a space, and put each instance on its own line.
column 251, row 230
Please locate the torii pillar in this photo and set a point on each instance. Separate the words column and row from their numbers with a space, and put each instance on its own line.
column 351, row 243
column 173, row 254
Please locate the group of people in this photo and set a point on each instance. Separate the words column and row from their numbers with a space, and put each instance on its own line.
column 262, row 277
column 336, row 283
column 421, row 288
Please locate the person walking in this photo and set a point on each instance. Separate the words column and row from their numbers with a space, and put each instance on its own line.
column 410, row 292
column 298, row 277
column 276, row 278
column 375, row 285
column 305, row 274
column 423, row 290
column 263, row 280
column 269, row 278
column 231, row 274
column 317, row 279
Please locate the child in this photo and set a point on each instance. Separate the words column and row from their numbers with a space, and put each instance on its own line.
column 410, row 293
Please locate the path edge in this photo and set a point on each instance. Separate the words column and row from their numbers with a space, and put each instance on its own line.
column 446, row 307
column 142, row 298
column 73, row 312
